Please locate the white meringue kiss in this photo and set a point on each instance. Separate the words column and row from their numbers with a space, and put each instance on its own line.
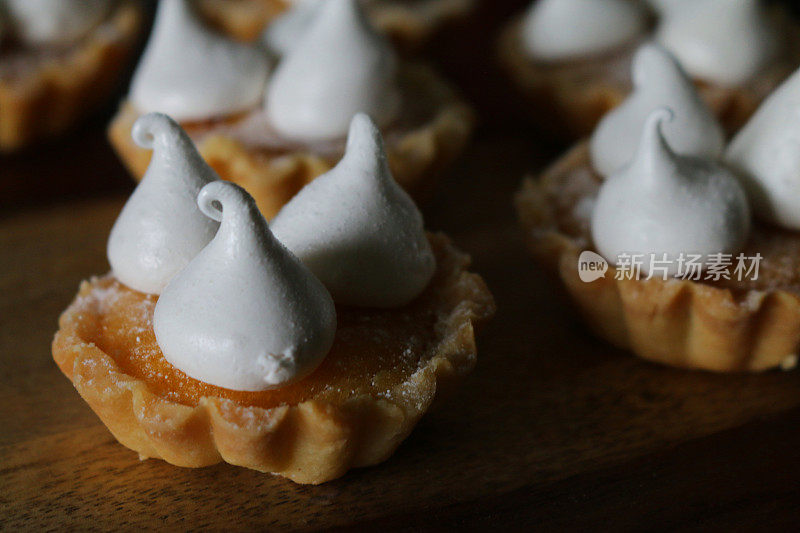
column 245, row 314
column 45, row 22
column 658, row 82
column 160, row 229
column 192, row 73
column 557, row 30
column 357, row 230
column 766, row 154
column 283, row 33
column 341, row 67
column 664, row 203
column 722, row 41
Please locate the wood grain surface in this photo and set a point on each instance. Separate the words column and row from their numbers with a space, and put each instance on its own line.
column 554, row 429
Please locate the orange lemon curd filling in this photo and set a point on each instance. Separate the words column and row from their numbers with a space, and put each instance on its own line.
column 374, row 351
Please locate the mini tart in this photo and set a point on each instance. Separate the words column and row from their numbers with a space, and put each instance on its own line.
column 408, row 24
column 432, row 130
column 574, row 95
column 380, row 377
column 730, row 325
column 43, row 91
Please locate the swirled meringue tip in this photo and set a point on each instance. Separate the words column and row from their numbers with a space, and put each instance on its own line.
column 357, row 230
column 341, row 67
column 720, row 41
column 669, row 205
column 190, row 72
column 557, row 30
column 766, row 155
column 244, row 314
column 160, row 229
column 286, row 31
column 53, row 22
column 659, row 81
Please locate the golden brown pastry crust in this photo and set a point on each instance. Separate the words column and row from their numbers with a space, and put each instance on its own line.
column 409, row 26
column 416, row 157
column 574, row 96
column 56, row 93
column 313, row 441
column 675, row 322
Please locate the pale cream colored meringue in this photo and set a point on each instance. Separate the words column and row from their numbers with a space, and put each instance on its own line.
column 286, row 31
column 160, row 229
column 245, row 314
column 357, row 230
column 658, row 81
column 556, row 30
column 669, row 205
column 192, row 73
column 727, row 42
column 766, row 154
column 341, row 67
column 54, row 22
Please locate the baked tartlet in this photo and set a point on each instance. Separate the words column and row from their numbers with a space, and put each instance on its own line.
column 737, row 308
column 350, row 412
column 408, row 24
column 346, row 391
column 274, row 146
column 45, row 87
column 722, row 326
column 578, row 91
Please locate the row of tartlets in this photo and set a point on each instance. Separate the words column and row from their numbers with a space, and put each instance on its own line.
column 661, row 179
column 571, row 58
column 60, row 59
column 313, row 343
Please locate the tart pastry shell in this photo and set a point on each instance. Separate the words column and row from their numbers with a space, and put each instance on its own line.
column 51, row 96
column 312, row 441
column 408, row 26
column 676, row 322
column 417, row 157
column 574, row 101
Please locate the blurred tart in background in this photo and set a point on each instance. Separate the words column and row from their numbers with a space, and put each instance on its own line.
column 273, row 129
column 408, row 24
column 571, row 58
column 59, row 59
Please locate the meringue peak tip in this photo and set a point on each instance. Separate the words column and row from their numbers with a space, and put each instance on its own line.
column 651, row 56
column 363, row 133
column 217, row 197
column 152, row 127
column 365, row 147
